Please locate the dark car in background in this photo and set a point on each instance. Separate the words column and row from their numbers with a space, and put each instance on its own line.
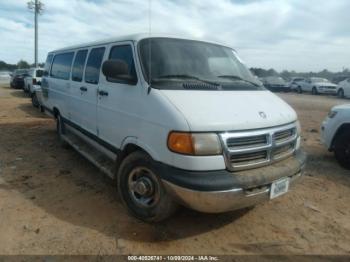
column 17, row 78
column 275, row 84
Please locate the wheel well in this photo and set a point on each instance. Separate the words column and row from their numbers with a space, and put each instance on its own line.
column 343, row 128
column 128, row 149
column 55, row 112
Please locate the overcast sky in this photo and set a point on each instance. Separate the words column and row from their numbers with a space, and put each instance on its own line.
column 295, row 35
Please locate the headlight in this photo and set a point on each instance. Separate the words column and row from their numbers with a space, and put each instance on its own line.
column 332, row 114
column 200, row 144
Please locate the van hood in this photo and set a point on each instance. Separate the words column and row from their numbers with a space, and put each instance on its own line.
column 230, row 110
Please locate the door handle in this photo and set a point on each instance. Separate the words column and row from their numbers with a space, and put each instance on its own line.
column 83, row 88
column 102, row 93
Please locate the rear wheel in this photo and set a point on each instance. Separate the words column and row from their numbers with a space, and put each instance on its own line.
column 141, row 189
column 342, row 149
column 314, row 91
column 340, row 93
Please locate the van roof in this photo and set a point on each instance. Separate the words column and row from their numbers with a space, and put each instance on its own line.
column 134, row 38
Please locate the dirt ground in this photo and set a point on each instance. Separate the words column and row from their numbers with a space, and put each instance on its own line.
column 53, row 201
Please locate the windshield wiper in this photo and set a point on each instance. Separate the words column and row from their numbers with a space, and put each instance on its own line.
column 234, row 77
column 184, row 76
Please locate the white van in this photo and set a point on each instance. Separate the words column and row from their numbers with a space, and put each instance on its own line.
column 174, row 121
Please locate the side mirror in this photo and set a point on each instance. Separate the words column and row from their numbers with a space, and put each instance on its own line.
column 116, row 69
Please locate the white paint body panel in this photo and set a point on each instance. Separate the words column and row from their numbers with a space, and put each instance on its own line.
column 345, row 85
column 330, row 126
column 230, row 110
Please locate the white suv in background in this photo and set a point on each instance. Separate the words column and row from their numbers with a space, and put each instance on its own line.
column 316, row 85
column 343, row 89
column 336, row 133
column 33, row 82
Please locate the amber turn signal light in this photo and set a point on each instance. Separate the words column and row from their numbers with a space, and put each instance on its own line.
column 181, row 142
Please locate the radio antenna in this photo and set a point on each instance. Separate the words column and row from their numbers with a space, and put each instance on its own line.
column 149, row 45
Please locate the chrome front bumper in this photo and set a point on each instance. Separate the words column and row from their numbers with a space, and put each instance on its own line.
column 222, row 201
column 255, row 192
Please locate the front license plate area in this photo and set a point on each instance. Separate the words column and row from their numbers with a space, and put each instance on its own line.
column 279, row 187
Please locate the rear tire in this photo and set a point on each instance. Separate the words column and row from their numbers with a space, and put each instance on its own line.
column 342, row 149
column 340, row 93
column 60, row 129
column 141, row 189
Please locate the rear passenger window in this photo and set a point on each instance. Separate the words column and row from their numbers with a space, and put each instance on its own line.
column 61, row 66
column 124, row 53
column 93, row 65
column 78, row 66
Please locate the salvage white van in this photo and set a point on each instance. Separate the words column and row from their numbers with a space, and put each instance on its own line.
column 174, row 121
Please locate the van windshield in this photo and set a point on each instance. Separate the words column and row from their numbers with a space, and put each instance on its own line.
column 170, row 63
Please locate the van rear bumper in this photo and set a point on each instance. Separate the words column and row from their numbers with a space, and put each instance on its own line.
column 221, row 191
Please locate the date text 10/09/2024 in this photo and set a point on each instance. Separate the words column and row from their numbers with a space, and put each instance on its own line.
column 173, row 258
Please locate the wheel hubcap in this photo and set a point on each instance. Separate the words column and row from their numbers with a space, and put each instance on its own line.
column 143, row 187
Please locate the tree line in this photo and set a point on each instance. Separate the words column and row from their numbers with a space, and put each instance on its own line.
column 22, row 64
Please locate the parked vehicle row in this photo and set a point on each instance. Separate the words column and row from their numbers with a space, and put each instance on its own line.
column 313, row 85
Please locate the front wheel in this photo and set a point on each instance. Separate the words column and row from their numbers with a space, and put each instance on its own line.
column 342, row 149
column 141, row 189
column 299, row 90
column 60, row 129
column 340, row 93
column 314, row 91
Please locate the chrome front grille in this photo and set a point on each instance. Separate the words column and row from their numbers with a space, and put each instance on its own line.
column 250, row 149
column 244, row 142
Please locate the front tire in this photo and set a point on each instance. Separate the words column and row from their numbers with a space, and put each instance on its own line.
column 314, row 91
column 60, row 129
column 141, row 189
column 299, row 90
column 342, row 149
column 340, row 93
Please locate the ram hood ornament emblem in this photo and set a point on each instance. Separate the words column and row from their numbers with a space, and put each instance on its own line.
column 262, row 114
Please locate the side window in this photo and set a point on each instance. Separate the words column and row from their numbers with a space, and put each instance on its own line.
column 124, row 53
column 78, row 66
column 48, row 64
column 93, row 65
column 61, row 66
